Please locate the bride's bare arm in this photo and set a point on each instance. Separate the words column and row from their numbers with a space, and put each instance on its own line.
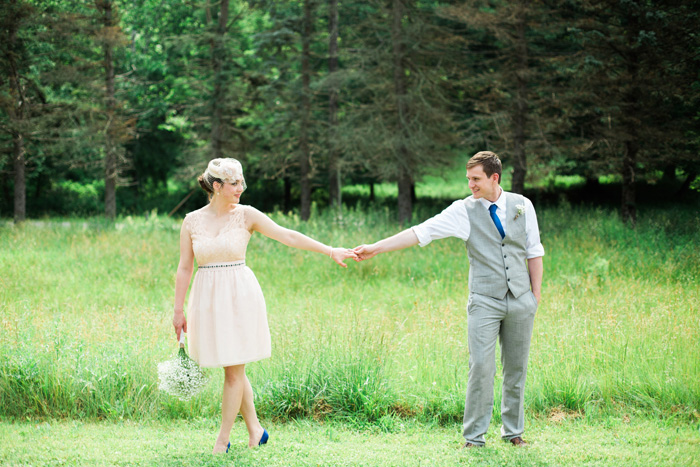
column 182, row 281
column 259, row 222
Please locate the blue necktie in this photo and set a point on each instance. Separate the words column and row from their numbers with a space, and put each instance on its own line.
column 496, row 220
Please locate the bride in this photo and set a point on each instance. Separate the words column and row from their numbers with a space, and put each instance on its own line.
column 226, row 317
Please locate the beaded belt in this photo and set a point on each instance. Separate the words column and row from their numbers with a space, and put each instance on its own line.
column 223, row 265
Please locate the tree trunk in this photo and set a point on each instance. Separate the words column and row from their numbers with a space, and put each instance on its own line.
column 287, row 194
column 629, row 205
column 592, row 182
column 669, row 177
column 20, row 199
column 108, row 22
column 689, row 179
column 405, row 205
column 304, row 153
column 218, row 54
column 5, row 187
column 629, row 160
column 15, row 111
column 521, row 108
column 334, row 186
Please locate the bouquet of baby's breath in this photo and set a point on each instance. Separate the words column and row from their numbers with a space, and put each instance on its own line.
column 181, row 376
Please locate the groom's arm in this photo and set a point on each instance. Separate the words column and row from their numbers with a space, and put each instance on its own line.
column 534, row 250
column 399, row 241
column 536, row 270
column 452, row 222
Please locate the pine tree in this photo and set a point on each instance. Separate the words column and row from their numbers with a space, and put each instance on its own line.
column 631, row 83
column 110, row 37
column 397, row 123
column 508, row 77
column 334, row 166
column 15, row 102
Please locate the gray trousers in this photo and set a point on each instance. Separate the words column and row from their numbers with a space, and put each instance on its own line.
column 509, row 320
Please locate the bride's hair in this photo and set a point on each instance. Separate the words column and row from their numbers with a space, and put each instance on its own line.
column 206, row 181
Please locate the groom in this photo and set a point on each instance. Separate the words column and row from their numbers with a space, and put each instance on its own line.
column 505, row 279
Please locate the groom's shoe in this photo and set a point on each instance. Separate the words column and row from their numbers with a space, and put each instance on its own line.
column 472, row 445
column 518, row 441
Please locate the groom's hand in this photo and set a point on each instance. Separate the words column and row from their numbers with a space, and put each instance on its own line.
column 364, row 252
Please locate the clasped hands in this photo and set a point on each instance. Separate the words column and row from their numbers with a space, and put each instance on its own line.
column 364, row 252
column 359, row 253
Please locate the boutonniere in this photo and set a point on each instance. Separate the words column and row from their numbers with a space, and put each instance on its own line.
column 521, row 210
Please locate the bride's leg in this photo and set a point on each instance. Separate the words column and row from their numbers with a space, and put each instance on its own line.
column 234, row 387
column 255, row 430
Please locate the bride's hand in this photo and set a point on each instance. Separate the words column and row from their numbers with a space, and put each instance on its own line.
column 340, row 254
column 179, row 322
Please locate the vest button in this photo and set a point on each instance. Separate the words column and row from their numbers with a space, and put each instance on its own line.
column 508, row 280
column 505, row 256
column 503, row 244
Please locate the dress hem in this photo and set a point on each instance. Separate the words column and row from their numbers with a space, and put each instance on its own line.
column 243, row 362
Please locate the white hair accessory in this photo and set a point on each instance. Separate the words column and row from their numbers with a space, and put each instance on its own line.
column 227, row 170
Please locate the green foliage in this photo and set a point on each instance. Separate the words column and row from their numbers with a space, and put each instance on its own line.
column 624, row 99
column 336, row 387
column 71, row 197
column 178, row 78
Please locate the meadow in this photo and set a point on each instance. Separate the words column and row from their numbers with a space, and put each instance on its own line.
column 87, row 306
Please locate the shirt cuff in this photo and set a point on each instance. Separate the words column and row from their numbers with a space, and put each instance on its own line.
column 423, row 236
column 535, row 251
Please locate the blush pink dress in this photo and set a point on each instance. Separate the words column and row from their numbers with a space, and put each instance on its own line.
column 227, row 319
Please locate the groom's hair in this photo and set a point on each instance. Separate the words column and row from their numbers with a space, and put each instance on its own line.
column 489, row 161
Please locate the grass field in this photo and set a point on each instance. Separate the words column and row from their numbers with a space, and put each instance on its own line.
column 303, row 443
column 86, row 310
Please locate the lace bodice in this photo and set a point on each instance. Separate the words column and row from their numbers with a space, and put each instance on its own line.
column 229, row 244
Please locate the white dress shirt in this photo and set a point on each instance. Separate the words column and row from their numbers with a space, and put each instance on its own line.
column 454, row 222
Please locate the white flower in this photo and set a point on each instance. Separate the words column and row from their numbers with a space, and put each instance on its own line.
column 181, row 377
column 521, row 210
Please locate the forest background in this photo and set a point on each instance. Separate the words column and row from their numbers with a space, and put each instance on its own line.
column 114, row 106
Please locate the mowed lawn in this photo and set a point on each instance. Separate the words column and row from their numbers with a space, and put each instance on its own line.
column 553, row 442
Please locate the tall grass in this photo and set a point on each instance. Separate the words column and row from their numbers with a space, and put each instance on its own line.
column 86, row 310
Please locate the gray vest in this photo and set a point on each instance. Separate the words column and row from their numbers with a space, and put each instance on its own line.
column 497, row 265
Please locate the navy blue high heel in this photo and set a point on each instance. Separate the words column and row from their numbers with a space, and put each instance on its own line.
column 264, row 438
column 229, row 445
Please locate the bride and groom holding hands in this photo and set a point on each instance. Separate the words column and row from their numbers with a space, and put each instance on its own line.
column 227, row 320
